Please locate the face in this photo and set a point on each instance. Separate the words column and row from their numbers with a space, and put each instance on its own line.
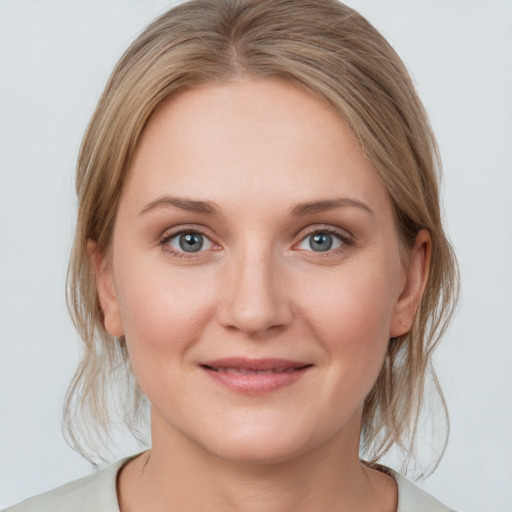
column 255, row 272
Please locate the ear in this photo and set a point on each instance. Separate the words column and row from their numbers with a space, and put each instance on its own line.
column 414, row 283
column 106, row 290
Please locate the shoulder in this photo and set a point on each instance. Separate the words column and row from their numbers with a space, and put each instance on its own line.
column 94, row 492
column 413, row 499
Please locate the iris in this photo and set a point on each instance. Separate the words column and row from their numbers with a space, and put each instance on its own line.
column 191, row 242
column 320, row 242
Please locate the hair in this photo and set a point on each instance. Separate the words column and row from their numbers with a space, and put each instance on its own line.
column 328, row 50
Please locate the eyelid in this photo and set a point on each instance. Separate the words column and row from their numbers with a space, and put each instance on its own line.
column 343, row 234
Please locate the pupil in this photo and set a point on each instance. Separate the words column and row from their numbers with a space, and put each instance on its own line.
column 321, row 242
column 191, row 242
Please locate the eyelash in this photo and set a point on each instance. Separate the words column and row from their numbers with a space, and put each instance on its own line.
column 342, row 237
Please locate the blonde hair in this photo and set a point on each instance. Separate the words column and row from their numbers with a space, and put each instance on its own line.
column 328, row 50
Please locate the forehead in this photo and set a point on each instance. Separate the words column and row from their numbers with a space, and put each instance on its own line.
column 253, row 137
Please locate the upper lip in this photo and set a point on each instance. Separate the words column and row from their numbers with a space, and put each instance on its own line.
column 254, row 365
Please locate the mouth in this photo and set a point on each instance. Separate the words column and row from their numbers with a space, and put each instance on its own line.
column 255, row 376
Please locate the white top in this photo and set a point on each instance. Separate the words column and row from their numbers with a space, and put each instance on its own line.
column 97, row 493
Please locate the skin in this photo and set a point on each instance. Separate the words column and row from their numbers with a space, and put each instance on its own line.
column 257, row 289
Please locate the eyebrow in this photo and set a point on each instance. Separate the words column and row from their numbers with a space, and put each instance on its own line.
column 183, row 203
column 328, row 204
column 211, row 208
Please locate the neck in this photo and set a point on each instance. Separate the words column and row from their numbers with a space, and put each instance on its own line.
column 176, row 474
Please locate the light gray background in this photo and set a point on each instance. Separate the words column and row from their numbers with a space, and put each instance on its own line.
column 54, row 60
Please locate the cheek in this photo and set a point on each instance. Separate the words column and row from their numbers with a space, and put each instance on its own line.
column 164, row 314
column 351, row 314
column 358, row 307
column 163, row 309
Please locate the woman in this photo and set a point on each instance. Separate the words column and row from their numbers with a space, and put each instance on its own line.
column 259, row 252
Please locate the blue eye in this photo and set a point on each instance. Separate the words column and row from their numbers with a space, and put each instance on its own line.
column 188, row 242
column 321, row 241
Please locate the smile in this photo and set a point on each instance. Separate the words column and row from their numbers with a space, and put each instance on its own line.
column 244, row 371
column 255, row 376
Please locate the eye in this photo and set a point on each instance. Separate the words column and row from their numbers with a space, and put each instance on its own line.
column 187, row 242
column 322, row 241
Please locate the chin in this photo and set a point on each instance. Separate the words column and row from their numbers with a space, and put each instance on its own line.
column 263, row 443
column 258, row 451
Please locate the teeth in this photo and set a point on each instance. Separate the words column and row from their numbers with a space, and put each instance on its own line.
column 244, row 371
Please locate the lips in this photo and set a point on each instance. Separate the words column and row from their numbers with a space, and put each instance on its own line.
column 255, row 376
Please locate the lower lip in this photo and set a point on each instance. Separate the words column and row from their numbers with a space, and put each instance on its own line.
column 256, row 384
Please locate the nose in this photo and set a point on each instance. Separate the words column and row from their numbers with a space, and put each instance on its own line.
column 255, row 297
